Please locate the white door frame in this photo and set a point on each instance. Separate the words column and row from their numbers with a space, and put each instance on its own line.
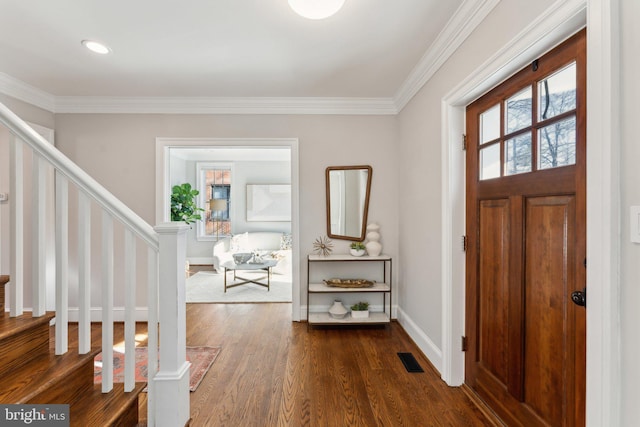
column 163, row 190
column 557, row 23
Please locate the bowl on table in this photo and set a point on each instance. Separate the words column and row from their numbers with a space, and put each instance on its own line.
column 242, row 257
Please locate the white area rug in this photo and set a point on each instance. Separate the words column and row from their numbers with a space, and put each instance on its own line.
column 208, row 286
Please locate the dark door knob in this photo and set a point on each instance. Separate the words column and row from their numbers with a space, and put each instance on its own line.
column 579, row 297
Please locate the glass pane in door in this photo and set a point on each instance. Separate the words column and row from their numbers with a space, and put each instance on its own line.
column 517, row 154
column 557, row 144
column 518, row 111
column 490, row 124
column 490, row 162
column 557, row 93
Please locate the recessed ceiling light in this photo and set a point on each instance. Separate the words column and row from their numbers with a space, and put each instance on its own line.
column 96, row 47
column 316, row 9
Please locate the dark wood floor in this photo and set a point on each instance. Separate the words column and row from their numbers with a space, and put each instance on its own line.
column 275, row 372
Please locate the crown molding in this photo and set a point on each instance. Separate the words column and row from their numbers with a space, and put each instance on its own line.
column 193, row 105
column 15, row 88
column 217, row 105
column 468, row 16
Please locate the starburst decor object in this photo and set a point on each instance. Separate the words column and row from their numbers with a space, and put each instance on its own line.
column 323, row 246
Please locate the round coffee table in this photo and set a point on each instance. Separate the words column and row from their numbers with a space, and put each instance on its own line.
column 265, row 265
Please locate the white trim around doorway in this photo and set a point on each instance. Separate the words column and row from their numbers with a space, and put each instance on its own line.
column 163, row 145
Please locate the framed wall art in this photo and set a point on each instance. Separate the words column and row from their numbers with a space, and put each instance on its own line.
column 268, row 202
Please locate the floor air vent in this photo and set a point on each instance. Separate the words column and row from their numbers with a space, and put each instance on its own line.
column 410, row 362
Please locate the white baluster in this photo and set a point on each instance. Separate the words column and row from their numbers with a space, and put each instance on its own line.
column 107, row 302
column 84, row 273
column 62, row 263
column 152, row 333
column 129, row 309
column 38, row 236
column 172, row 379
column 16, row 216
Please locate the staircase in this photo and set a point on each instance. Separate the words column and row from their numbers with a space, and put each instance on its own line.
column 30, row 373
column 40, row 364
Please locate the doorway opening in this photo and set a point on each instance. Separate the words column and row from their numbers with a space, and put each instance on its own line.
column 250, row 163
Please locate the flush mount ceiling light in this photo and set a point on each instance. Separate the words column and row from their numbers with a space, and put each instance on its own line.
column 96, row 47
column 316, row 9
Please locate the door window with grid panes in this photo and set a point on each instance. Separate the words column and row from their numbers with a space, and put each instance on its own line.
column 533, row 129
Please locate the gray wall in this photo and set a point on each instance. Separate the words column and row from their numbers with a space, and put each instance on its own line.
column 421, row 157
column 118, row 150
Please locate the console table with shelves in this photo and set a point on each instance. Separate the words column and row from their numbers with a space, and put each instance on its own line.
column 382, row 285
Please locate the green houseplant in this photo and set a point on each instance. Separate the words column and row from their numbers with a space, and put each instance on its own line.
column 183, row 204
column 360, row 310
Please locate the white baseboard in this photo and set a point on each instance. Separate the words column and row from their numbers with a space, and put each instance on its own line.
column 433, row 353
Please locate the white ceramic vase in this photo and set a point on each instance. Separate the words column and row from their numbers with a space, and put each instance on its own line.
column 373, row 236
column 373, row 245
column 373, row 227
column 338, row 310
column 374, row 248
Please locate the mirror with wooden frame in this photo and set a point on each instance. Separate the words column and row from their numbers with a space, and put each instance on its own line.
column 348, row 189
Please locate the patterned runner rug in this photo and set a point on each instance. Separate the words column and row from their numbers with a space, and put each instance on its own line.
column 201, row 359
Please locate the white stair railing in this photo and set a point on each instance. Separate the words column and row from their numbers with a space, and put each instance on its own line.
column 168, row 394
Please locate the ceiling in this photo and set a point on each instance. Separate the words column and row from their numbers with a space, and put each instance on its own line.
column 218, row 48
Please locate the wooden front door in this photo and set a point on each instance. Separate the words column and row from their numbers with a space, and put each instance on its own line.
column 526, row 228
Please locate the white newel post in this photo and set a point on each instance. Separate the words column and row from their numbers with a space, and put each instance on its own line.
column 172, row 380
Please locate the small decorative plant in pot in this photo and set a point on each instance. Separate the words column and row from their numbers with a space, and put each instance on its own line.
column 357, row 249
column 360, row 310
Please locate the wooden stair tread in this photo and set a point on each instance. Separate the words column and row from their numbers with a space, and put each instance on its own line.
column 113, row 408
column 4, row 279
column 36, row 376
column 22, row 338
column 14, row 325
column 31, row 373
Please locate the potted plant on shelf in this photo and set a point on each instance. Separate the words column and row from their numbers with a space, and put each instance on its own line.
column 357, row 249
column 360, row 310
column 183, row 204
